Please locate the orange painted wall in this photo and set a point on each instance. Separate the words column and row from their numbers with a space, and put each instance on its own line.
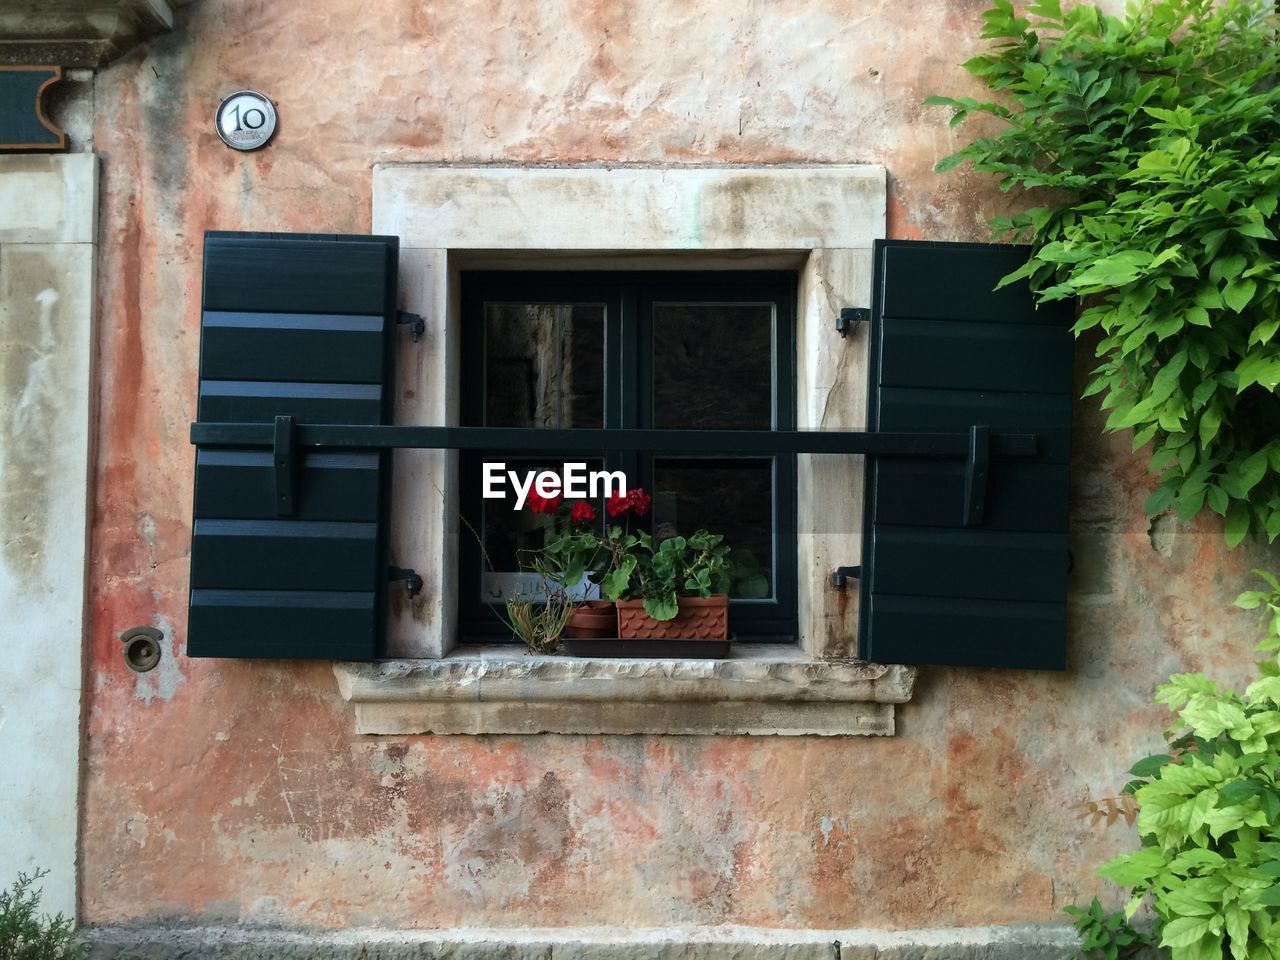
column 224, row 791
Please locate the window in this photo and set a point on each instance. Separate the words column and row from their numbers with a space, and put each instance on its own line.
column 691, row 350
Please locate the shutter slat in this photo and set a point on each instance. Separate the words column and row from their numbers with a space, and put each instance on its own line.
column 280, row 624
column 247, row 401
column 952, row 281
column 949, row 352
column 265, row 346
column 296, row 274
column 976, row 633
column 240, row 484
column 978, row 564
column 284, row 554
column 1048, row 415
column 297, row 326
column 975, row 356
column 1020, row 496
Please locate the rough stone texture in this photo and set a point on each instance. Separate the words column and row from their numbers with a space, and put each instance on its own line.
column 46, row 306
column 79, row 33
column 631, row 209
column 48, row 199
column 241, row 792
column 763, row 690
column 1024, row 942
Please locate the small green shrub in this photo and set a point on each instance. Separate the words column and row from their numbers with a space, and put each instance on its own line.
column 1209, row 813
column 1153, row 142
column 25, row 933
column 1105, row 935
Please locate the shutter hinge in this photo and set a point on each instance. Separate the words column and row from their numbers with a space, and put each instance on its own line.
column 848, row 317
column 843, row 575
column 417, row 326
column 412, row 582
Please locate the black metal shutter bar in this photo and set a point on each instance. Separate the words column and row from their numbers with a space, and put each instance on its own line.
column 285, row 437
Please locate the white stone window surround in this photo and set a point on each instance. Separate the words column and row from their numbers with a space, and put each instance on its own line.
column 819, row 220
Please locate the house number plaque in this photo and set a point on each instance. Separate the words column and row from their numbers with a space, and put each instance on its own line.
column 246, row 120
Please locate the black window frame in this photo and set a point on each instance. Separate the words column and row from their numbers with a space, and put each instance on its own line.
column 628, row 298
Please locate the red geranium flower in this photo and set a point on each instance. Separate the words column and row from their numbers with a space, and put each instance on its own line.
column 540, row 504
column 638, row 500
column 583, row 512
column 632, row 501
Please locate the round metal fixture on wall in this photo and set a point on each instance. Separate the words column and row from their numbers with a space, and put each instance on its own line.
column 141, row 648
column 246, row 120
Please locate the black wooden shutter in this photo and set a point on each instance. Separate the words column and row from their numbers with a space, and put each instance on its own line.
column 293, row 325
column 948, row 353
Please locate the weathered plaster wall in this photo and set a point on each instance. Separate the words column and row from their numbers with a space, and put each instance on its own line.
column 238, row 791
column 47, row 228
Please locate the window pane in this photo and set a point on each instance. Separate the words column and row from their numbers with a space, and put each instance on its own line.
column 713, row 366
column 544, row 365
column 729, row 497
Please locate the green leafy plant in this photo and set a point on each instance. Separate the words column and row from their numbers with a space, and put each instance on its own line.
column 571, row 550
column 25, row 933
column 1209, row 813
column 1153, row 141
column 697, row 566
column 1105, row 935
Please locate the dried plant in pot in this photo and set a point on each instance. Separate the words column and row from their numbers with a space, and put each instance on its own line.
column 539, row 621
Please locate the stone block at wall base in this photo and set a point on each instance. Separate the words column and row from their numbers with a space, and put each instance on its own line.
column 1017, row 942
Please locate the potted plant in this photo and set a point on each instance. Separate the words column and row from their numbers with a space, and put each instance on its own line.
column 571, row 555
column 677, row 588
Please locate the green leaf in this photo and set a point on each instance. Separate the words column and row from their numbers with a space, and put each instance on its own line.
column 1159, row 501
column 1183, row 931
column 1238, row 294
column 664, row 607
column 1253, row 470
column 1237, row 525
column 1151, row 765
column 1210, row 421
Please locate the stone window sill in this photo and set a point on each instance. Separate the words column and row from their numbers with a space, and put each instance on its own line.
column 763, row 689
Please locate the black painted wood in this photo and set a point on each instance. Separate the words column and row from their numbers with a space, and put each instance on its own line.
column 297, row 274
column 300, row 326
column 284, row 555
column 240, row 484
column 292, row 346
column 948, row 352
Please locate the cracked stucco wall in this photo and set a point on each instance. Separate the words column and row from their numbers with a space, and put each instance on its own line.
column 243, row 793
column 47, row 222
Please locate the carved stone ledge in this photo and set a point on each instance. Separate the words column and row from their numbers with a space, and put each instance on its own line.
column 762, row 690
column 79, row 33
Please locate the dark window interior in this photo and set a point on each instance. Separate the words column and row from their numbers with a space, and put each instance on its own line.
column 633, row 350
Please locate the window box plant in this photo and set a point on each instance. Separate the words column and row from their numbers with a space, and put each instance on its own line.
column 676, row 588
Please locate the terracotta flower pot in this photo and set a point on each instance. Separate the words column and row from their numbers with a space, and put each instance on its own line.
column 593, row 619
column 698, row 619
